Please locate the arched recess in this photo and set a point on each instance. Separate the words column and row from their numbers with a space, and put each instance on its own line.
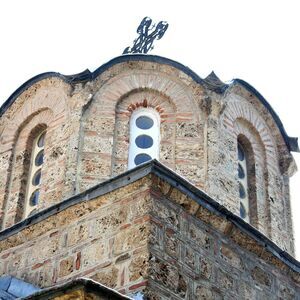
column 254, row 149
column 16, row 182
column 241, row 119
column 35, row 132
column 42, row 99
column 136, row 99
column 99, row 131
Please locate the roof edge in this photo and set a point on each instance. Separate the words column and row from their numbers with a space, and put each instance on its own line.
column 291, row 142
column 175, row 180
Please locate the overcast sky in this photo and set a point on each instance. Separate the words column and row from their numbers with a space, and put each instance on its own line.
column 257, row 41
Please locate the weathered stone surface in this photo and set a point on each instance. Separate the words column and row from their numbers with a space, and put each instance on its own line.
column 139, row 267
column 66, row 266
column 191, row 251
column 108, row 277
column 206, row 293
column 143, row 232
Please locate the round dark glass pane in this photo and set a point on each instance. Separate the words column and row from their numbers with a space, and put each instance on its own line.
column 41, row 140
column 242, row 211
column 242, row 191
column 34, row 199
column 36, row 178
column 241, row 153
column 241, row 172
column 144, row 141
column 144, row 122
column 39, row 159
column 141, row 158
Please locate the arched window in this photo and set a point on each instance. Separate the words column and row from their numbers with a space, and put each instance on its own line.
column 243, row 183
column 144, row 136
column 34, row 176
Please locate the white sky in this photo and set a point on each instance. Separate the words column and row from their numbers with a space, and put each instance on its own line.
column 257, row 41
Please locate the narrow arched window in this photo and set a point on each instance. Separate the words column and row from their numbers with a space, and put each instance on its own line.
column 35, row 173
column 144, row 136
column 243, row 183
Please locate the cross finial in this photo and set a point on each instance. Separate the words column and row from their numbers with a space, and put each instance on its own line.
column 148, row 32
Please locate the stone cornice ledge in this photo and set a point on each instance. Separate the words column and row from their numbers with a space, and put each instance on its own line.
column 176, row 181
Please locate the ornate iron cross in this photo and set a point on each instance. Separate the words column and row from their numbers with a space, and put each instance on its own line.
column 147, row 34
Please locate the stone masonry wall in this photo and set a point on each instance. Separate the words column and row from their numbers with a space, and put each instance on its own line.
column 148, row 237
column 88, row 138
column 241, row 118
column 105, row 140
column 104, row 239
column 41, row 107
column 197, row 255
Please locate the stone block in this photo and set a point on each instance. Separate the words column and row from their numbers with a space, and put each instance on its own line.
column 261, row 277
column 94, row 253
column 172, row 243
column 169, row 276
column 108, row 276
column 225, row 280
column 139, row 267
column 66, row 266
column 130, row 238
column 231, row 257
column 207, row 293
column 200, row 237
column 206, row 268
column 77, row 234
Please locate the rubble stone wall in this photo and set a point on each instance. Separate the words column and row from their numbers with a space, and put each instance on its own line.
column 104, row 239
column 148, row 237
column 197, row 255
column 241, row 118
column 43, row 106
column 105, row 122
column 87, row 140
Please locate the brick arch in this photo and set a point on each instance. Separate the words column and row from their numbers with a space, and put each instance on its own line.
column 258, row 179
column 98, row 142
column 170, row 86
column 243, row 105
column 45, row 95
column 124, row 108
column 240, row 117
column 241, row 110
column 17, row 173
column 33, row 101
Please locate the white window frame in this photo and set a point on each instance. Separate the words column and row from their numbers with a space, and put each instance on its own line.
column 153, row 132
column 28, row 209
column 244, row 183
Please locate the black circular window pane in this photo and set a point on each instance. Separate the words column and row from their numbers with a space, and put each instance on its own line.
column 242, row 191
column 242, row 211
column 141, row 158
column 144, row 141
column 41, row 140
column 36, row 178
column 144, row 122
column 241, row 153
column 241, row 172
column 39, row 159
column 34, row 199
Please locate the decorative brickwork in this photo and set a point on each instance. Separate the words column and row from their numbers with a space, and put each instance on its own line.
column 241, row 119
column 44, row 108
column 147, row 236
column 105, row 140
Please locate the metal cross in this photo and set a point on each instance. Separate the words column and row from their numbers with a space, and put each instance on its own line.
column 147, row 34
